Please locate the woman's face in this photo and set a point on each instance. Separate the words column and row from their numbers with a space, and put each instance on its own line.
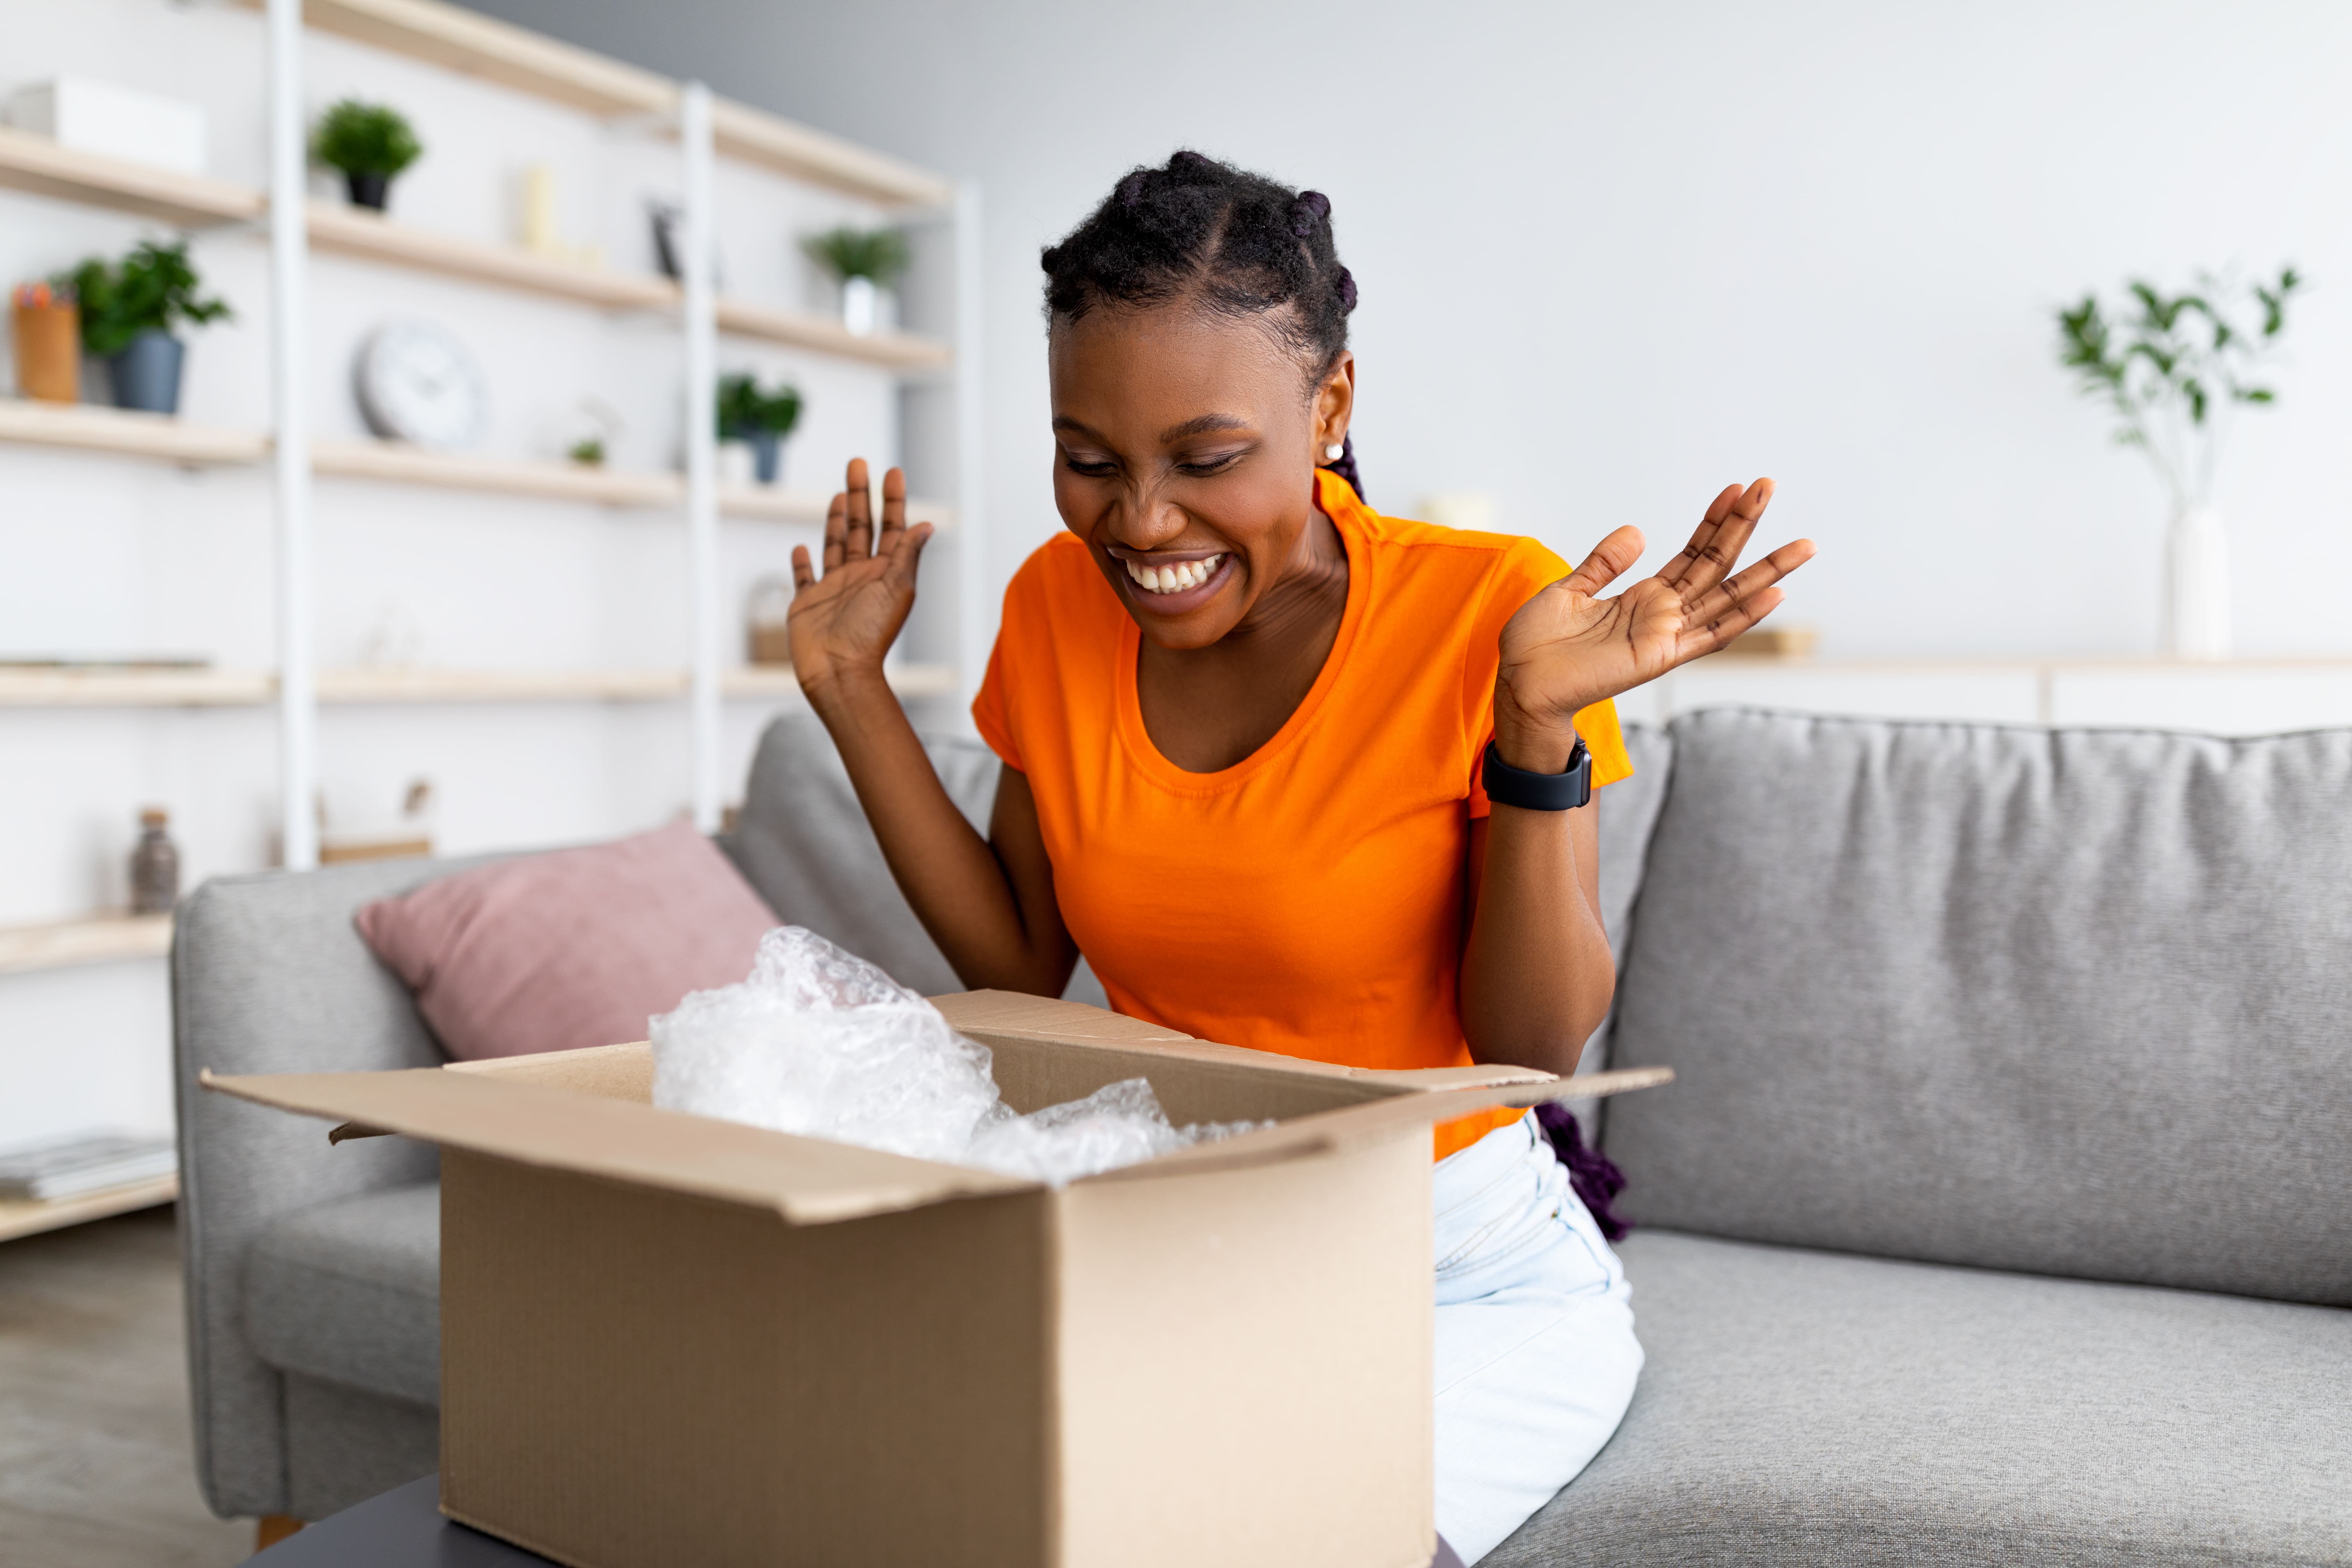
column 1185, row 450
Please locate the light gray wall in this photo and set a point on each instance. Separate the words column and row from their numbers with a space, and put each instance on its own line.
column 1613, row 257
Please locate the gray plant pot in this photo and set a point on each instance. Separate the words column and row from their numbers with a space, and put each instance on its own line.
column 367, row 188
column 767, row 454
column 146, row 375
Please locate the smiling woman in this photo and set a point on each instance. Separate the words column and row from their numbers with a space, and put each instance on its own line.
column 1292, row 774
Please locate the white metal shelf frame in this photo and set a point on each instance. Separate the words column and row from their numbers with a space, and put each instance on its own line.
column 425, row 29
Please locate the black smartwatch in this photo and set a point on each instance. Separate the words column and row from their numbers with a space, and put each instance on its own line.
column 1508, row 786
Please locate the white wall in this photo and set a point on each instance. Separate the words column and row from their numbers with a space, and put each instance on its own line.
column 1613, row 257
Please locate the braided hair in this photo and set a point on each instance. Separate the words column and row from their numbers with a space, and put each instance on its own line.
column 1225, row 240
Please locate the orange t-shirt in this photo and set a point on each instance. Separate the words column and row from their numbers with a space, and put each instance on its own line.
column 1307, row 901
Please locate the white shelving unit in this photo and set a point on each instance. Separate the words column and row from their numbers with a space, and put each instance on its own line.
column 685, row 706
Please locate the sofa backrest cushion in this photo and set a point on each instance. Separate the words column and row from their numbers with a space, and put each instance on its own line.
column 571, row 948
column 2067, row 1002
column 1629, row 814
column 803, row 842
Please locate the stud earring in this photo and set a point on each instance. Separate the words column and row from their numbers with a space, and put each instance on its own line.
column 1334, row 452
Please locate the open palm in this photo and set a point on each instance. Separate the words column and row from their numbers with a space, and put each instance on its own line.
column 1568, row 649
column 845, row 620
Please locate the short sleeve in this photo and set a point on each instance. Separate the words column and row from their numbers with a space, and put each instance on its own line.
column 989, row 711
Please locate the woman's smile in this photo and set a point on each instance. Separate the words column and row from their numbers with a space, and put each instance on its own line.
column 1172, row 587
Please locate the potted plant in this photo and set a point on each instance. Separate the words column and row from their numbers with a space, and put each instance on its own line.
column 866, row 261
column 2176, row 368
column 761, row 419
column 128, row 311
column 371, row 144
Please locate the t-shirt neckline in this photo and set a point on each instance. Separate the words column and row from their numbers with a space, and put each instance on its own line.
column 1137, row 740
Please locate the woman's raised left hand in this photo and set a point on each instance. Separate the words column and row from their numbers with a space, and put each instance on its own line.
column 1567, row 648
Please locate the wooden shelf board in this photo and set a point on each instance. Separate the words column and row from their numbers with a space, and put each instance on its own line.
column 366, row 687
column 361, row 687
column 399, row 464
column 396, row 464
column 772, row 682
column 777, row 503
column 37, row 164
column 801, row 329
column 755, row 136
column 475, row 45
column 20, row 1218
column 100, row 688
column 354, row 231
column 97, row 939
column 2022, row 665
column 91, row 427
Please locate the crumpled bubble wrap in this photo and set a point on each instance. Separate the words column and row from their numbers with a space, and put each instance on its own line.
column 821, row 1043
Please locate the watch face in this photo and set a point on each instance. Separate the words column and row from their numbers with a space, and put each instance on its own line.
column 418, row 383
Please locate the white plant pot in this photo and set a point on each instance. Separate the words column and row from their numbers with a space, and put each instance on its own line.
column 860, row 306
column 2197, row 586
column 734, row 463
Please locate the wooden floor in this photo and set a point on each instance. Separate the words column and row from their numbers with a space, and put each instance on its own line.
column 95, row 1459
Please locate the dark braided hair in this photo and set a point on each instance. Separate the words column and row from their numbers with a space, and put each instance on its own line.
column 1209, row 234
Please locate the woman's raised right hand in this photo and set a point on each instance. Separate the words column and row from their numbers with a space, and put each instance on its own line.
column 844, row 621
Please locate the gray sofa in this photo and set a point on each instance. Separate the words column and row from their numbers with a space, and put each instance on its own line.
column 2002, row 1210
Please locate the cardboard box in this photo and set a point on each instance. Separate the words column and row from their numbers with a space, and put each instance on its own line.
column 113, row 122
column 672, row 1340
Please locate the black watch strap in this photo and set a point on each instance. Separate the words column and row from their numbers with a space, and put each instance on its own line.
column 1508, row 786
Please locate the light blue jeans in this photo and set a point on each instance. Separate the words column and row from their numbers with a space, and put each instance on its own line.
column 1536, row 1353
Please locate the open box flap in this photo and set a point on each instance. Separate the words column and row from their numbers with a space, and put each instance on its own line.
column 808, row 1181
column 589, row 1111
column 982, row 1014
column 1354, row 1125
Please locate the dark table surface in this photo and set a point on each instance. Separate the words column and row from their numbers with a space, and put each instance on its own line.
column 401, row 1528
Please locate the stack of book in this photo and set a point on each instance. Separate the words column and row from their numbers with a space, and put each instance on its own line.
column 89, row 1162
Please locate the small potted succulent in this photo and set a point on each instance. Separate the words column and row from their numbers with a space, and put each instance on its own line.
column 128, row 311
column 866, row 261
column 371, row 144
column 759, row 419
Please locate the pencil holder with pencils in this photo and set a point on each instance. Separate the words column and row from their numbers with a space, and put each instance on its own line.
column 47, row 327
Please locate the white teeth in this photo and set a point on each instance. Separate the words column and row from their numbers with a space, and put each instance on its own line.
column 1176, row 578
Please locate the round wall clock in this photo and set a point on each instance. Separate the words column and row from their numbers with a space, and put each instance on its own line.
column 418, row 383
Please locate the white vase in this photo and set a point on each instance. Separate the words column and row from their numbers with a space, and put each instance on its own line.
column 2197, row 586
column 859, row 300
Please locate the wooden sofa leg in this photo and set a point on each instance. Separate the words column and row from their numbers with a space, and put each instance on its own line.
column 272, row 1528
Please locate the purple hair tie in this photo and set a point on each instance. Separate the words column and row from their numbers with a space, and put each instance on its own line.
column 1347, row 289
column 1130, row 190
column 1311, row 208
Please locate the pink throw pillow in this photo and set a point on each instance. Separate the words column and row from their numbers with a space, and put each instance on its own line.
column 578, row 947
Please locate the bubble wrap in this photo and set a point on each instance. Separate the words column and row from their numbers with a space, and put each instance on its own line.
column 822, row 1043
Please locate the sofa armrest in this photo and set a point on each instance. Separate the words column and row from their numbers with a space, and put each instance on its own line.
column 269, row 974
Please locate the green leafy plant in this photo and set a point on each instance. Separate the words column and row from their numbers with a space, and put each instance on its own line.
column 879, row 254
column 744, row 410
column 588, row 451
column 150, row 290
column 365, row 139
column 2175, row 367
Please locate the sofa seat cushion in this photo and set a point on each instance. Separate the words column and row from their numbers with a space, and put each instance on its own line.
column 1812, row 1407
column 350, row 1292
